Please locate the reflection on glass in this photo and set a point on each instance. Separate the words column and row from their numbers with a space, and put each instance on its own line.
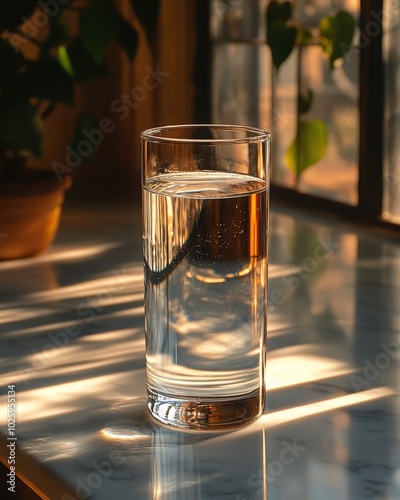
column 187, row 466
column 391, row 52
column 175, row 472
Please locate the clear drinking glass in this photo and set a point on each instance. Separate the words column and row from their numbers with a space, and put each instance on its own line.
column 205, row 239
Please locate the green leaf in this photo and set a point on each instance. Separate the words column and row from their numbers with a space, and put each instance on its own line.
column 305, row 100
column 279, row 11
column 65, row 61
column 22, row 129
column 147, row 13
column 304, row 36
column 46, row 79
column 76, row 59
column 99, row 25
column 128, row 38
column 281, row 38
column 336, row 35
column 13, row 13
column 309, row 147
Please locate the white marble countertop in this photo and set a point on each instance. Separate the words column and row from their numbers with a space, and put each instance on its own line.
column 71, row 340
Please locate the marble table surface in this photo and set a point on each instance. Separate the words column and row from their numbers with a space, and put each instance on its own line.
column 71, row 341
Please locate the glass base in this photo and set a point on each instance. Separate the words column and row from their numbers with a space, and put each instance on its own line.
column 214, row 414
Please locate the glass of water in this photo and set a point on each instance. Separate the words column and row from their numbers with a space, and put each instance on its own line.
column 205, row 240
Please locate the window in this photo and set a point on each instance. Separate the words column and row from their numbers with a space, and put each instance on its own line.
column 359, row 173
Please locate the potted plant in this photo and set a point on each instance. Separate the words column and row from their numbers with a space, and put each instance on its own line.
column 47, row 48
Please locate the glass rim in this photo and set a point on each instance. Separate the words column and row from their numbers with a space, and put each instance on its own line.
column 150, row 135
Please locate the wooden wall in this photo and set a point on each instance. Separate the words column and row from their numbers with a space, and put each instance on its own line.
column 115, row 170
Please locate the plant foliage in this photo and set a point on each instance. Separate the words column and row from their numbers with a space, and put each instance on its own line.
column 334, row 35
column 32, row 86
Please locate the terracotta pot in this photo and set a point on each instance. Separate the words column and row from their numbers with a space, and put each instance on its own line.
column 29, row 215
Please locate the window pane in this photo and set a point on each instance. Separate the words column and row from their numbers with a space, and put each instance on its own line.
column 279, row 114
column 246, row 89
column 335, row 102
column 240, row 80
column 391, row 50
column 309, row 12
column 238, row 74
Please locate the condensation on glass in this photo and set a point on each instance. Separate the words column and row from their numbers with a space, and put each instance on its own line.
column 391, row 52
column 246, row 89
